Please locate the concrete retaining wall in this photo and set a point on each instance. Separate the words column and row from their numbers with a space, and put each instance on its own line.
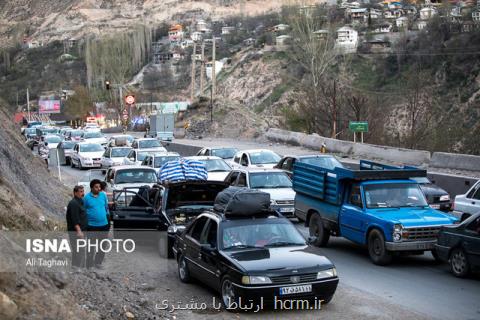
column 455, row 161
column 312, row 141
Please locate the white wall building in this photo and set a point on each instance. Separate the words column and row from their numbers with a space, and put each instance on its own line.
column 208, row 68
column 347, row 39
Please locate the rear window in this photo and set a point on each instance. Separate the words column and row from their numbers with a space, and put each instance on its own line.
column 149, row 144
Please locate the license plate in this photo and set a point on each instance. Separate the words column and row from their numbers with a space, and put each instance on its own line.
column 435, row 206
column 97, row 162
column 424, row 246
column 296, row 289
column 286, row 209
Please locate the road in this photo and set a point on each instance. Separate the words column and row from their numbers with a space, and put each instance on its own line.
column 416, row 283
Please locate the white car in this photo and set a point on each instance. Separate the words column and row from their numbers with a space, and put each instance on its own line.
column 157, row 160
column 273, row 181
column 114, row 156
column 467, row 204
column 94, row 137
column 121, row 177
column 260, row 158
column 92, row 127
column 53, row 141
column 148, row 144
column 225, row 153
column 217, row 168
column 87, row 155
column 136, row 157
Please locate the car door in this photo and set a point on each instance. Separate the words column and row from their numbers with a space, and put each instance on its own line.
column 236, row 160
column 192, row 246
column 471, row 241
column 75, row 157
column 231, row 179
column 105, row 157
column 208, row 256
column 130, row 159
column 352, row 216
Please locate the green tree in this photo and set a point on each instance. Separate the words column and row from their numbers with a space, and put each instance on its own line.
column 80, row 104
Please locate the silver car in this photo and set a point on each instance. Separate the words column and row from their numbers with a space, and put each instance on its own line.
column 467, row 204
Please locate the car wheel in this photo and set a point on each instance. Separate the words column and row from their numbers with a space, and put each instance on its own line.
column 377, row 250
column 183, row 272
column 229, row 298
column 459, row 263
column 318, row 231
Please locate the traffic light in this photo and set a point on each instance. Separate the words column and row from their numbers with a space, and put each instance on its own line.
column 107, row 84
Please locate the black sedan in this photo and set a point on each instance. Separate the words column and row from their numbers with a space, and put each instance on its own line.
column 258, row 261
column 437, row 198
column 460, row 246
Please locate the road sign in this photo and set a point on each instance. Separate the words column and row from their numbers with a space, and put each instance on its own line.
column 130, row 99
column 358, row 126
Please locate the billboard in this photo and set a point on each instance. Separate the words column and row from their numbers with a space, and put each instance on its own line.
column 48, row 106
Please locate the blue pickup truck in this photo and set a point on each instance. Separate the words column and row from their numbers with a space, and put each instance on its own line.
column 378, row 206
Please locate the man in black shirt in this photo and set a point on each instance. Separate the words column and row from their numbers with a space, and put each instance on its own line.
column 76, row 224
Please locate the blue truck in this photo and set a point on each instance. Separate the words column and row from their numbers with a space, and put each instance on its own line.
column 378, row 206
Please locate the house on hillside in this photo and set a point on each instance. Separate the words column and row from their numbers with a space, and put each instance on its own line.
column 175, row 33
column 29, row 43
column 357, row 15
column 196, row 36
column 201, row 26
column 383, row 28
column 476, row 13
column 283, row 40
column 321, row 34
column 428, row 13
column 280, row 27
column 347, row 40
column 249, row 42
column 227, row 30
column 402, row 22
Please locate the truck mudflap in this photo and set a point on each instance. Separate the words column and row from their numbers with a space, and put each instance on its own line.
column 410, row 246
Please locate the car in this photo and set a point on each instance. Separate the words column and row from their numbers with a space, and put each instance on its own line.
column 92, row 127
column 262, row 158
column 157, row 160
column 256, row 258
column 29, row 133
column 437, row 198
column 87, row 155
column 34, row 124
column 150, row 144
column 273, row 181
column 52, row 140
column 67, row 148
column 324, row 160
column 469, row 203
column 132, row 177
column 94, row 137
column 459, row 245
column 217, row 168
column 113, row 156
column 129, row 139
column 64, row 130
column 222, row 152
column 74, row 135
column 136, row 157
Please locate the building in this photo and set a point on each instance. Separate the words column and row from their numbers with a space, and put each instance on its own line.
column 201, row 26
column 347, row 40
column 175, row 33
column 196, row 36
column 357, row 15
column 383, row 28
column 476, row 13
column 402, row 22
column 249, row 42
column 393, row 14
column 321, row 34
column 428, row 13
column 208, row 68
column 227, row 30
column 421, row 24
column 280, row 27
column 283, row 40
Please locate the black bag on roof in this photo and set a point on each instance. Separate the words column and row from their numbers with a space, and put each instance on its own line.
column 238, row 201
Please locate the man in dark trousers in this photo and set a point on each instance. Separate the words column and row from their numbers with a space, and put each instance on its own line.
column 96, row 204
column 76, row 225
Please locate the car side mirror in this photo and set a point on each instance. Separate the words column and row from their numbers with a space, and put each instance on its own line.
column 207, row 248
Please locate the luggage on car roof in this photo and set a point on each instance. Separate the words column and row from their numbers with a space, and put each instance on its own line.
column 238, row 201
column 183, row 169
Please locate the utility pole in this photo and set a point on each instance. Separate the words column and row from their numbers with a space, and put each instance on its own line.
column 28, row 105
column 334, row 133
column 202, row 68
column 214, row 77
column 192, row 93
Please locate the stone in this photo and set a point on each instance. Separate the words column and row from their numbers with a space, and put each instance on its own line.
column 8, row 308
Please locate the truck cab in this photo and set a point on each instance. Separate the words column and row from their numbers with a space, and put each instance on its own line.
column 378, row 206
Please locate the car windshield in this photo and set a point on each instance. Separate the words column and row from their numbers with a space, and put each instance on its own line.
column 267, row 180
column 144, row 144
column 324, row 162
column 260, row 234
column 76, row 133
column 91, row 134
column 142, row 155
column 91, row 148
column 120, row 152
column 263, row 157
column 30, row 131
column 135, row 176
column 68, row 144
column 216, row 165
column 53, row 139
column 224, row 153
column 422, row 180
column 161, row 160
column 394, row 195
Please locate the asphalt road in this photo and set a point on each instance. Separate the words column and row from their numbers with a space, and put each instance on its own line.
column 416, row 283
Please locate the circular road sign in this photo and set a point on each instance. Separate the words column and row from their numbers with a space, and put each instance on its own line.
column 130, row 99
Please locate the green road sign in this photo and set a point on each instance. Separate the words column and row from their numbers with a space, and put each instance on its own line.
column 358, row 126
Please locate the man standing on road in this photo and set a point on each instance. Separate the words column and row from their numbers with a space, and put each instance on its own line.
column 76, row 225
column 98, row 225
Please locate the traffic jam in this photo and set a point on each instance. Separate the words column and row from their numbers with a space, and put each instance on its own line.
column 230, row 217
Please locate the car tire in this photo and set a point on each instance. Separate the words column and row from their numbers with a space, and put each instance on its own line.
column 318, row 231
column 227, row 291
column 72, row 164
column 183, row 272
column 459, row 263
column 376, row 248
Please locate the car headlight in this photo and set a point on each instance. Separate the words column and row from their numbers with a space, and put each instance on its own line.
column 329, row 273
column 172, row 229
column 445, row 197
column 256, row 280
column 397, row 232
